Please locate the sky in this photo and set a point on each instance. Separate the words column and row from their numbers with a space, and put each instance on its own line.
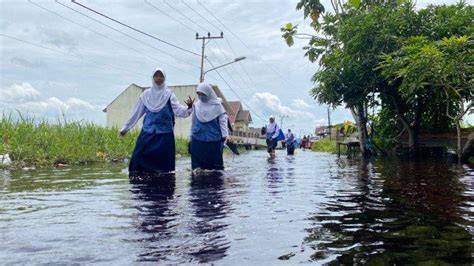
column 59, row 63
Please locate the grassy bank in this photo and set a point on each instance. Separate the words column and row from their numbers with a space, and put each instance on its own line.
column 324, row 145
column 31, row 142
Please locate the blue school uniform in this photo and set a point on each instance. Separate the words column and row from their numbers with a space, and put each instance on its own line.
column 271, row 142
column 207, row 145
column 155, row 147
column 290, row 144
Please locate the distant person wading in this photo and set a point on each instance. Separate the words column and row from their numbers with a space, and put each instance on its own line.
column 290, row 143
column 271, row 133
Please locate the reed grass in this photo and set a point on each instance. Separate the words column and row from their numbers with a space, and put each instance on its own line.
column 324, row 145
column 37, row 142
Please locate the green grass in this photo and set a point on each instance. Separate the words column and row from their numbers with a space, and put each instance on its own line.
column 38, row 143
column 324, row 145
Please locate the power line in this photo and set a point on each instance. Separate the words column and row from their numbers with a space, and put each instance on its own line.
column 228, row 74
column 238, row 38
column 183, row 15
column 103, row 35
column 252, row 82
column 135, row 29
column 198, row 25
column 230, row 87
column 69, row 54
column 219, row 47
column 199, row 14
column 126, row 34
column 171, row 17
column 248, row 94
column 249, row 77
column 222, row 51
column 226, row 57
column 195, row 23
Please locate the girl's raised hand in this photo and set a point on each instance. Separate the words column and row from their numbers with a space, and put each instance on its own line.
column 189, row 102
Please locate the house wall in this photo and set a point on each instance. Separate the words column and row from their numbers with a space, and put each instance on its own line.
column 120, row 109
column 241, row 126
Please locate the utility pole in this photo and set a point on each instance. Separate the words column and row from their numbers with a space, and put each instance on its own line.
column 281, row 120
column 204, row 38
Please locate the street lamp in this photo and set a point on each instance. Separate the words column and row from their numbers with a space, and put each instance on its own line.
column 226, row 64
column 281, row 120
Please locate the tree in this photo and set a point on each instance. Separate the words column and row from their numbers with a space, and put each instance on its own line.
column 351, row 47
column 340, row 44
column 427, row 68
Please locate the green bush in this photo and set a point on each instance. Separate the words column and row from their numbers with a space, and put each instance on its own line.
column 324, row 145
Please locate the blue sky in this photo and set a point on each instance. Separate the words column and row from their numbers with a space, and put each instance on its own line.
column 79, row 69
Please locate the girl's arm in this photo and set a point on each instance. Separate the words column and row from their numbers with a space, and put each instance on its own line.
column 178, row 109
column 138, row 112
column 223, row 118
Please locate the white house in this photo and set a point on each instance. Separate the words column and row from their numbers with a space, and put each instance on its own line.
column 119, row 110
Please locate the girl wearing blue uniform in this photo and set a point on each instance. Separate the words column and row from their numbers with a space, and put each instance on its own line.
column 272, row 132
column 155, row 147
column 209, row 130
column 290, row 143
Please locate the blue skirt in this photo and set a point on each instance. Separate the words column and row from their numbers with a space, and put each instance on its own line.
column 271, row 145
column 207, row 155
column 154, row 154
column 290, row 149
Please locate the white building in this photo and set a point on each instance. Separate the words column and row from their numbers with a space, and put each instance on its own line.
column 119, row 110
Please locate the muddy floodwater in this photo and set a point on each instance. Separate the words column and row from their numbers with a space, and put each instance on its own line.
column 309, row 208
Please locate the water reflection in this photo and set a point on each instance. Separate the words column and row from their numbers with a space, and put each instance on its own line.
column 156, row 216
column 274, row 177
column 311, row 206
column 393, row 213
column 210, row 206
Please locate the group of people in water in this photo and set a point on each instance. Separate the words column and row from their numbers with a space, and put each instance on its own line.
column 155, row 148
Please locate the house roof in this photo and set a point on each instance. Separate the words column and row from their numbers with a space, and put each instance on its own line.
column 235, row 106
column 133, row 85
column 244, row 115
column 239, row 114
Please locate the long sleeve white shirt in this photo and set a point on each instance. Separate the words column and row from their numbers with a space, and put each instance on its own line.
column 139, row 110
column 276, row 132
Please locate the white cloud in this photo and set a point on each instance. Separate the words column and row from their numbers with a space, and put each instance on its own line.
column 300, row 103
column 19, row 93
column 55, row 105
column 266, row 102
column 29, row 101
column 75, row 86
column 75, row 103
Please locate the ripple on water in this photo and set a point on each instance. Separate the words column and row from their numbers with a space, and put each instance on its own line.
column 312, row 207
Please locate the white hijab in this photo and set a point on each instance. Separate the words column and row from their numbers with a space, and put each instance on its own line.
column 210, row 110
column 156, row 97
column 271, row 127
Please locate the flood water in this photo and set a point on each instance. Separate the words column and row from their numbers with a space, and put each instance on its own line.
column 310, row 208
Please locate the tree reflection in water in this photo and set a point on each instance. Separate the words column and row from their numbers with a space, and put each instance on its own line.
column 395, row 212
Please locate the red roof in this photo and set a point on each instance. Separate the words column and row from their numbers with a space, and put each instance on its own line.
column 235, row 106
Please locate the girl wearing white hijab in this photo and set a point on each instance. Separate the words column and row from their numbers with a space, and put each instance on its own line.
column 209, row 130
column 272, row 136
column 155, row 147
